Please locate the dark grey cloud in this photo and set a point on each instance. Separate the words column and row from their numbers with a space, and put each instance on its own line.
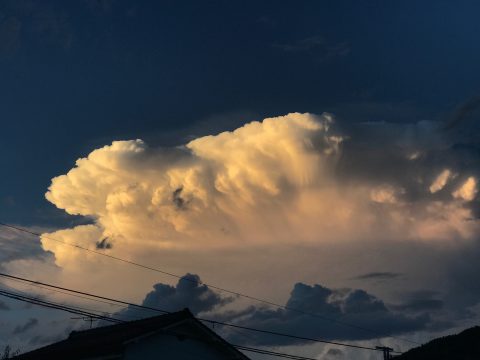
column 352, row 306
column 463, row 111
column 317, row 45
column 4, row 306
column 412, row 156
column 420, row 301
column 421, row 305
column 378, row 276
column 335, row 51
column 462, row 284
column 38, row 340
column 16, row 246
column 103, row 244
column 188, row 293
column 179, row 202
column 334, row 354
column 30, row 324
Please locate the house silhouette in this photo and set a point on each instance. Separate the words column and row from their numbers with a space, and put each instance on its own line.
column 177, row 335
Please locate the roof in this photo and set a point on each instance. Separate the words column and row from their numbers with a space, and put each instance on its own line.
column 111, row 340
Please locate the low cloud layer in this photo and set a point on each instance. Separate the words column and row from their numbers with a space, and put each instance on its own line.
column 367, row 316
column 333, row 309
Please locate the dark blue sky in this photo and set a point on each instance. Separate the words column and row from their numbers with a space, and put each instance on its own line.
column 76, row 75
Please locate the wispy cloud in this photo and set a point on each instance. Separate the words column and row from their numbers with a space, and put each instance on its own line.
column 378, row 276
column 305, row 44
column 30, row 324
column 317, row 45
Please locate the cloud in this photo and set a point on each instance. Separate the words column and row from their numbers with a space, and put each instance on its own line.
column 303, row 44
column 421, row 305
column 17, row 247
column 378, row 276
column 352, row 306
column 188, row 293
column 334, row 354
column 467, row 191
column 462, row 112
column 4, row 306
column 441, row 180
column 46, row 339
column 281, row 180
column 30, row 324
column 318, row 45
column 104, row 244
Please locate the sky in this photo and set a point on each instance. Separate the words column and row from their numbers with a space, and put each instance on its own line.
column 321, row 155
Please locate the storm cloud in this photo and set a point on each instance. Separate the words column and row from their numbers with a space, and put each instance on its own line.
column 216, row 191
column 189, row 293
column 340, row 314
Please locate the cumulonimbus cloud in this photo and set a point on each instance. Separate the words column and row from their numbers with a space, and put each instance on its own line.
column 266, row 182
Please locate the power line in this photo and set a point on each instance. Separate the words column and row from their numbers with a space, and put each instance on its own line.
column 73, row 310
column 51, row 305
column 236, row 293
column 41, row 286
column 63, row 290
column 213, row 322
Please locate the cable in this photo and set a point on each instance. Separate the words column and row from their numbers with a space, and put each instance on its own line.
column 110, row 300
column 209, row 285
column 73, row 310
column 52, row 305
column 213, row 322
column 41, row 286
column 130, row 317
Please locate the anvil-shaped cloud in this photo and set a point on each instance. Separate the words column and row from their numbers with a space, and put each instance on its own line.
column 275, row 181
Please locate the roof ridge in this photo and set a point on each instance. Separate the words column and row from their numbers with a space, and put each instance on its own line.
column 185, row 312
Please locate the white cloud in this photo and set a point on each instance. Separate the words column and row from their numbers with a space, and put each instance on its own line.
column 467, row 191
column 440, row 181
column 267, row 182
column 386, row 194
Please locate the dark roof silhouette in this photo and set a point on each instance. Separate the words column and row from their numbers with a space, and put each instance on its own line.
column 111, row 339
